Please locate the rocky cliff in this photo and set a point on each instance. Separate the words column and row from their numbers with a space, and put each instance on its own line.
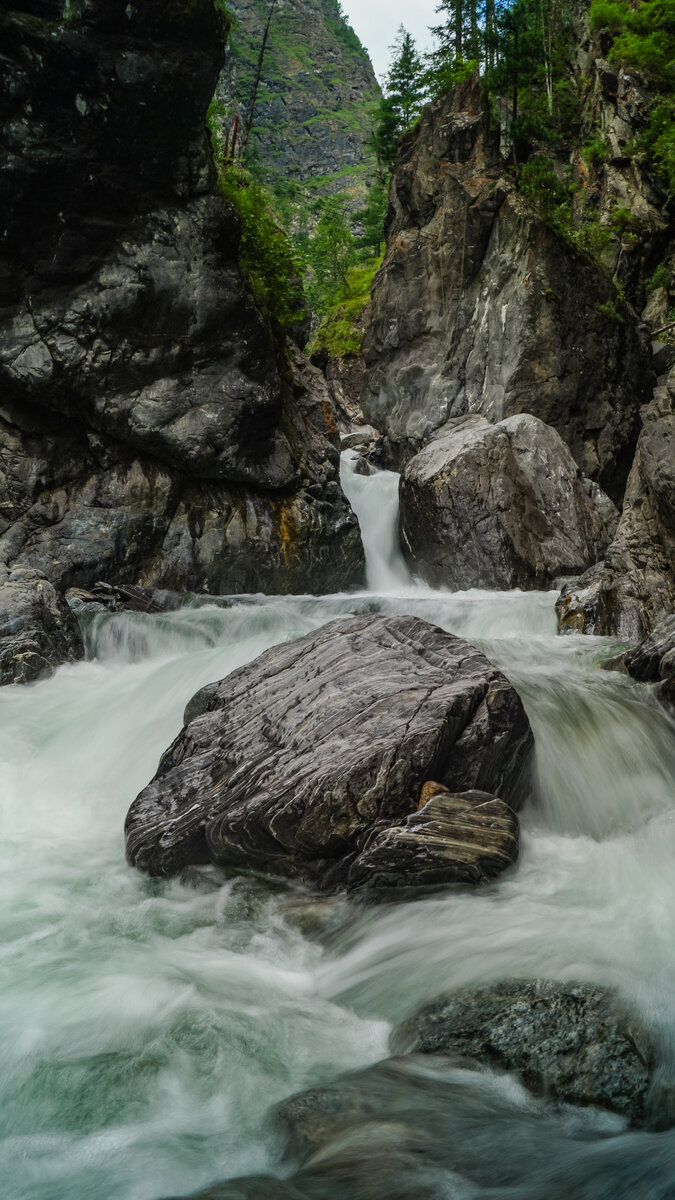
column 313, row 112
column 152, row 429
column 481, row 308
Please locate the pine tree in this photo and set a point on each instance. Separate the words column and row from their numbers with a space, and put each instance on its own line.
column 405, row 79
column 385, row 136
column 331, row 253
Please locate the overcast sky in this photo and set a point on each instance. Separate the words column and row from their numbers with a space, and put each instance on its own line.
column 376, row 22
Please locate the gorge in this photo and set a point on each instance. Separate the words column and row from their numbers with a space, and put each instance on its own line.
column 391, row 728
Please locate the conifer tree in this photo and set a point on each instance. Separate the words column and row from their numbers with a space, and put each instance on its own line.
column 405, row 79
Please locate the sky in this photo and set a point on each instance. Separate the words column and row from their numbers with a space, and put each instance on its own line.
column 376, row 23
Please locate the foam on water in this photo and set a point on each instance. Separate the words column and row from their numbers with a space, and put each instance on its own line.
column 147, row 1027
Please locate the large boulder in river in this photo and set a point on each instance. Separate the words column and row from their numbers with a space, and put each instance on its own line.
column 572, row 1042
column 38, row 631
column 633, row 587
column 310, row 762
column 500, row 506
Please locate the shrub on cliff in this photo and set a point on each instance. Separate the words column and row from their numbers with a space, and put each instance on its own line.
column 270, row 262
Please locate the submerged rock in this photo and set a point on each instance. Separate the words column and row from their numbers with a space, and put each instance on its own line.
column 301, row 761
column 426, row 1128
column 653, row 661
column 629, row 591
column 572, row 1042
column 500, row 506
column 38, row 632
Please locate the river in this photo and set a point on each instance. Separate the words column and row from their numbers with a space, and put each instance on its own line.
column 147, row 1026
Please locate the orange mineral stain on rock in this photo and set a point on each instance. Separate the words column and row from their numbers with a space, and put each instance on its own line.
column 284, row 513
column 329, row 416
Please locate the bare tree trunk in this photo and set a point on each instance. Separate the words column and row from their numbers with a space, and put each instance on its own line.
column 248, row 123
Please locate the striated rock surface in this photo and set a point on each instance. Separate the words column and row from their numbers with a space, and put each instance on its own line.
column 573, row 1042
column 152, row 430
column 467, row 838
column 481, row 308
column 500, row 506
column 308, row 761
column 38, row 632
column 633, row 587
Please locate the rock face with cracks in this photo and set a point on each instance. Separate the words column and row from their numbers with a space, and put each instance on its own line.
column 481, row 308
column 153, row 430
column 633, row 587
column 38, row 631
column 500, row 506
column 309, row 762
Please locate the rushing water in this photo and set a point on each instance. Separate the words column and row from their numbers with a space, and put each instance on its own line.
column 146, row 1027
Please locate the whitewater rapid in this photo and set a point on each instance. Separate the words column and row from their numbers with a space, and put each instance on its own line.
column 146, row 1027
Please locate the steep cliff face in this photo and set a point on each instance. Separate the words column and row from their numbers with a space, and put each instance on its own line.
column 151, row 429
column 313, row 112
column 481, row 308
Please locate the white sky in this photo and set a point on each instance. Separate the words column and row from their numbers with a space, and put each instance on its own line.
column 377, row 21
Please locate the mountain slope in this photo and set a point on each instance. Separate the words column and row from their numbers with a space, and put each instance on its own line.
column 314, row 105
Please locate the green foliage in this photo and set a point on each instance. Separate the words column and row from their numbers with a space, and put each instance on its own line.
column 272, row 266
column 596, row 150
column 339, row 334
column 541, row 186
column 331, row 252
column 372, row 219
column 552, row 199
column 608, row 14
column 660, row 279
column 342, row 31
column 658, row 141
column 405, row 86
column 386, row 134
column 609, row 309
column 443, row 75
column 645, row 34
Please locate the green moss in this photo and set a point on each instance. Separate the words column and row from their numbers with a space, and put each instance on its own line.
column 269, row 261
column 339, row 334
column 609, row 309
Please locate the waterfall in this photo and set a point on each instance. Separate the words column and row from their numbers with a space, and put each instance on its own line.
column 374, row 499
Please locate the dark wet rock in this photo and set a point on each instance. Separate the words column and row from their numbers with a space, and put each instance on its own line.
column 153, row 431
column 500, row 506
column 253, row 1187
column 653, row 661
column 481, row 308
column 572, row 1042
column 38, row 632
column 467, row 838
column 123, row 598
column 633, row 587
column 306, row 755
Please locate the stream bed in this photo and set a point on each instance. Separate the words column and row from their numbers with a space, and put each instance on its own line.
column 147, row 1027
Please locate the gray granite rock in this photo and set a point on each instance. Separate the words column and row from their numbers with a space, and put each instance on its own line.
column 633, row 587
column 481, row 308
column 38, row 632
column 500, row 506
column 305, row 756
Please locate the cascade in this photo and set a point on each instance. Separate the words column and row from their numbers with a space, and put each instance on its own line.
column 149, row 1025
